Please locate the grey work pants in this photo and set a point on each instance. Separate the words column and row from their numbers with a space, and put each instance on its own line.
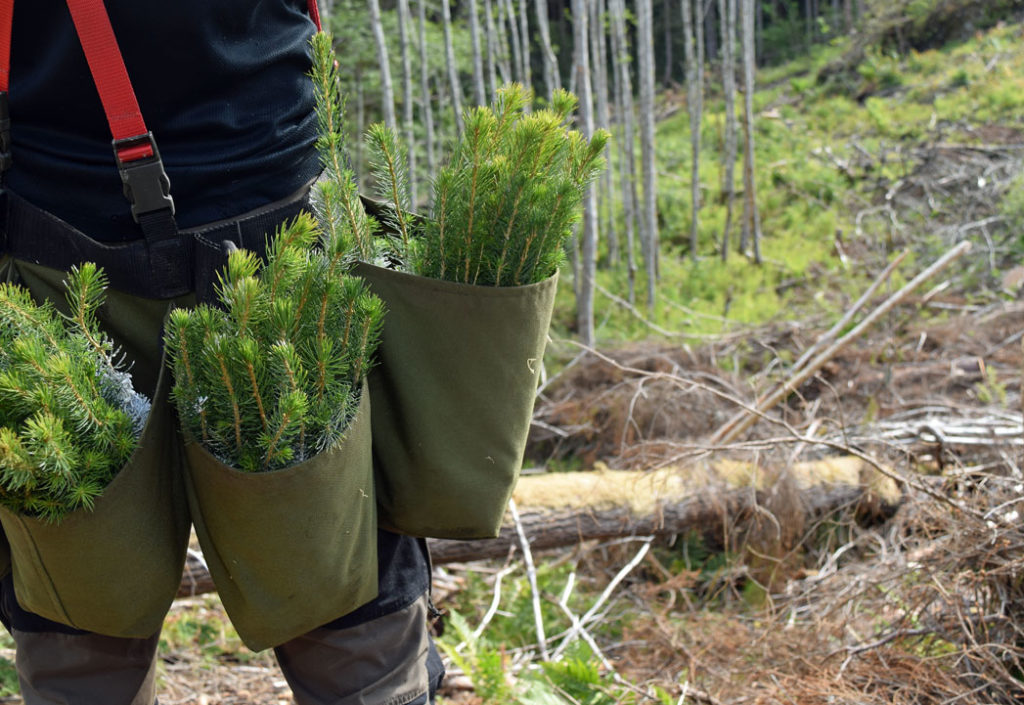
column 385, row 661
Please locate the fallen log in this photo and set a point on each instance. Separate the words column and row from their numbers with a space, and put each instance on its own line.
column 563, row 509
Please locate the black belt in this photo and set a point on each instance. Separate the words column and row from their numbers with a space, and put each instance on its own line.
column 188, row 263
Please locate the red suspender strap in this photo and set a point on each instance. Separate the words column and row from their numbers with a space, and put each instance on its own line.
column 314, row 12
column 6, row 20
column 111, row 78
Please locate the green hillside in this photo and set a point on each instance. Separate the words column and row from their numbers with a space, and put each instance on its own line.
column 860, row 153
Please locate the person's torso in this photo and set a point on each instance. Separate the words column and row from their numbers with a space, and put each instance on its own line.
column 222, row 84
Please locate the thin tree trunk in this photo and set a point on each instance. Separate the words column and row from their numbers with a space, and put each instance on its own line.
column 645, row 74
column 453, row 73
column 326, row 10
column 727, row 10
column 426, row 108
column 694, row 107
column 599, row 70
column 524, row 37
column 751, row 217
column 627, row 141
column 588, row 264
column 513, row 42
column 666, row 76
column 493, row 51
column 706, row 10
column 407, row 102
column 387, row 95
column 505, row 63
column 552, row 80
column 479, row 91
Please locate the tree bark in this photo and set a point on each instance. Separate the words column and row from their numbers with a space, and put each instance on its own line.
column 627, row 136
column 599, row 71
column 453, row 70
column 693, row 43
column 751, row 217
column 426, row 105
column 727, row 10
column 514, row 43
column 645, row 75
column 407, row 101
column 493, row 50
column 524, row 37
column 588, row 254
column 552, row 80
column 387, row 95
column 479, row 90
column 599, row 505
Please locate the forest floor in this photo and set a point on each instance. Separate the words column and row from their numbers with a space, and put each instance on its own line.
column 849, row 612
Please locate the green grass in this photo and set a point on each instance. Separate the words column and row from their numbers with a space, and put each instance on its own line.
column 804, row 129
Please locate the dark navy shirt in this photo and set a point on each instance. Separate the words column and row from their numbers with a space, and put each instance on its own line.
column 222, row 84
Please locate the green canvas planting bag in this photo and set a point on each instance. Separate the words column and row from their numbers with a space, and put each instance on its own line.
column 453, row 395
column 292, row 549
column 116, row 569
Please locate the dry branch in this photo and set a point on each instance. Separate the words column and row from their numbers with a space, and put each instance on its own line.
column 563, row 509
column 745, row 419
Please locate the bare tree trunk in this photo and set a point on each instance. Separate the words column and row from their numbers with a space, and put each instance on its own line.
column 588, row 264
column 387, row 95
column 326, row 8
column 751, row 217
column 599, row 70
column 694, row 104
column 727, row 10
column 551, row 78
column 427, row 110
column 453, row 72
column 493, row 52
column 479, row 91
column 497, row 45
column 645, row 75
column 407, row 102
column 627, row 142
column 524, row 37
column 666, row 76
column 513, row 42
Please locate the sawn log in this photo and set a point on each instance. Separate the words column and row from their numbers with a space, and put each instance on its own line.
column 563, row 509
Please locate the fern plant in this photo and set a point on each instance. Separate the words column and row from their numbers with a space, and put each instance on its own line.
column 272, row 376
column 69, row 418
column 504, row 205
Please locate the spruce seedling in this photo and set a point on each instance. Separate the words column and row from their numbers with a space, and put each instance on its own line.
column 505, row 204
column 69, row 418
column 272, row 376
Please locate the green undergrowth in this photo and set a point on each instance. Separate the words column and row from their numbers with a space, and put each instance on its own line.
column 812, row 181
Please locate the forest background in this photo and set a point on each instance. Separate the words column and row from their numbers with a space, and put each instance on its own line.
column 772, row 309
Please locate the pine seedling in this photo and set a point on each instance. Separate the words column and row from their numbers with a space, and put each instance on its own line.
column 273, row 375
column 505, row 204
column 69, row 418
column 346, row 227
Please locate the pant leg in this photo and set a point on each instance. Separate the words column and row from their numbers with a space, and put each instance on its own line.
column 380, row 654
column 380, row 662
column 59, row 665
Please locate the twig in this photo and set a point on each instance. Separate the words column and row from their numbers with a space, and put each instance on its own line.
column 495, row 602
column 744, row 420
column 619, row 577
column 531, row 575
column 832, row 332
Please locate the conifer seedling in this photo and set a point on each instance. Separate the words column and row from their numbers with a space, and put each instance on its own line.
column 69, row 418
column 505, row 204
column 272, row 376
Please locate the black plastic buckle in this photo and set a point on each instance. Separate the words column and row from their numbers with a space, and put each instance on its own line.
column 5, row 134
column 146, row 185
